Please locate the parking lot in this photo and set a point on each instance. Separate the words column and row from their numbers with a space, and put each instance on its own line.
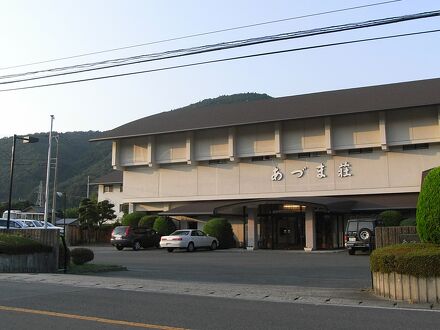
column 265, row 267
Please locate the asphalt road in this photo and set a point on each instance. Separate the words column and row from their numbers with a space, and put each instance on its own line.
column 43, row 306
column 330, row 270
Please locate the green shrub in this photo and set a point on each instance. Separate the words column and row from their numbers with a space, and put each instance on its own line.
column 390, row 218
column 147, row 221
column 428, row 208
column 222, row 230
column 164, row 226
column 16, row 244
column 81, row 255
column 132, row 219
column 418, row 259
column 408, row 222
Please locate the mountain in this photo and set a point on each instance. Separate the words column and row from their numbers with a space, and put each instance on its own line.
column 77, row 159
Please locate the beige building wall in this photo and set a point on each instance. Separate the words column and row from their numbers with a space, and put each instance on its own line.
column 339, row 155
column 115, row 197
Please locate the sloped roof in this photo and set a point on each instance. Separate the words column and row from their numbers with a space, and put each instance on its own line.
column 355, row 100
column 112, row 177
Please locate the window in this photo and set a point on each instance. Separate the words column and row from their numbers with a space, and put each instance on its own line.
column 217, row 161
column 416, row 146
column 121, row 189
column 360, row 151
column 308, row 154
column 108, row 188
column 262, row 158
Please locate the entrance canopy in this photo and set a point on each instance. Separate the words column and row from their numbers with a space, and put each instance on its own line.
column 337, row 204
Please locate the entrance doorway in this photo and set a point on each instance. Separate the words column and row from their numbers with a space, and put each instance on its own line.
column 282, row 231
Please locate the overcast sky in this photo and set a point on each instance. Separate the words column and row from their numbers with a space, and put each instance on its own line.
column 35, row 31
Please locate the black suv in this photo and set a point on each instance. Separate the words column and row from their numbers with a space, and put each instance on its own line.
column 359, row 234
column 125, row 236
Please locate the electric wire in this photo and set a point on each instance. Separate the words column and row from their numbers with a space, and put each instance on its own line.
column 221, row 46
column 205, row 33
column 224, row 60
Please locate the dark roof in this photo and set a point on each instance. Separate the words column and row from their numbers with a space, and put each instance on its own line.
column 355, row 100
column 112, row 177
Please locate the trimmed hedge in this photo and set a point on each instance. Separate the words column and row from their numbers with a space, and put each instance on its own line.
column 80, row 256
column 222, row 230
column 15, row 244
column 408, row 222
column 164, row 226
column 147, row 221
column 417, row 259
column 132, row 219
column 390, row 218
column 428, row 208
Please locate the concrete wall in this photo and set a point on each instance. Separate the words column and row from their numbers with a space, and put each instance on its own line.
column 377, row 172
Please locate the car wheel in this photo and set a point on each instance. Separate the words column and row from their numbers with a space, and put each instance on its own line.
column 136, row 246
column 351, row 251
column 157, row 245
column 365, row 234
column 170, row 249
column 119, row 248
column 190, row 247
column 213, row 245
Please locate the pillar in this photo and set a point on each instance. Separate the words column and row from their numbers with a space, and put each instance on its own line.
column 252, row 239
column 310, row 229
column 130, row 207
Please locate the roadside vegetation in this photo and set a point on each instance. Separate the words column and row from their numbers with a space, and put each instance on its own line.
column 417, row 259
column 222, row 230
column 15, row 244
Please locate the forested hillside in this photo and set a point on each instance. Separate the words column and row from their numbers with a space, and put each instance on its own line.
column 77, row 159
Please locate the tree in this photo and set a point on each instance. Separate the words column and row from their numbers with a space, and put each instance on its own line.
column 164, row 226
column 428, row 208
column 105, row 212
column 88, row 214
column 222, row 230
column 72, row 212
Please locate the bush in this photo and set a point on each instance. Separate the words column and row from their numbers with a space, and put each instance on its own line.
column 81, row 255
column 428, row 208
column 390, row 218
column 132, row 219
column 417, row 259
column 164, row 226
column 16, row 244
column 147, row 221
column 408, row 222
column 222, row 230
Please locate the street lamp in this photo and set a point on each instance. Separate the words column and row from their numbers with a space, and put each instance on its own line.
column 63, row 194
column 25, row 139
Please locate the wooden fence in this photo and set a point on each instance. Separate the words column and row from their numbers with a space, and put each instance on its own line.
column 394, row 235
column 49, row 237
column 77, row 236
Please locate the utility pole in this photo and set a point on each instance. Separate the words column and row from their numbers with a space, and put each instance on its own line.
column 54, row 195
column 88, row 186
column 46, row 199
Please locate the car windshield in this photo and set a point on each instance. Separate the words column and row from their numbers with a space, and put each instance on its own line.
column 180, row 233
column 37, row 224
column 119, row 230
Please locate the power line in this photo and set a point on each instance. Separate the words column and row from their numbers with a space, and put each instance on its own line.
column 224, row 60
column 222, row 46
column 205, row 33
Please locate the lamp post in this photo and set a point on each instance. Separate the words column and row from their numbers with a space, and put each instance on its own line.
column 63, row 194
column 25, row 139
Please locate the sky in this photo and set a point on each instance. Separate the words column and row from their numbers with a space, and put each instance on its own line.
column 33, row 31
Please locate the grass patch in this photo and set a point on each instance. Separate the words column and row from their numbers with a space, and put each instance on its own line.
column 417, row 259
column 15, row 244
column 93, row 268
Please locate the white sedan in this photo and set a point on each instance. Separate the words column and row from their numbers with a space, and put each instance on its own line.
column 189, row 239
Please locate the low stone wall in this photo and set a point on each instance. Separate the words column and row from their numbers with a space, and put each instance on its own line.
column 28, row 263
column 407, row 287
